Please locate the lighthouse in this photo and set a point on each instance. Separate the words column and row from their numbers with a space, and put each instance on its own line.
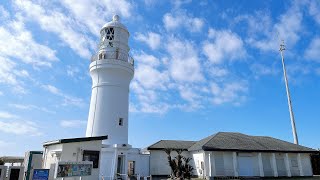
column 111, row 70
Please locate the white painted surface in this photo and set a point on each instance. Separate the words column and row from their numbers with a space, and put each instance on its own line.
column 261, row 172
column 281, row 167
column 111, row 77
column 219, row 163
column 274, row 165
column 287, row 164
column 267, row 164
column 228, row 164
column 306, row 164
column 293, row 164
column 245, row 164
column 235, row 164
column 198, row 163
column 3, row 170
column 72, row 152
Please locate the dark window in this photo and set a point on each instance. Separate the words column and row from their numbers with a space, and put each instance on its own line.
column 14, row 174
column 92, row 156
column 120, row 121
column 110, row 34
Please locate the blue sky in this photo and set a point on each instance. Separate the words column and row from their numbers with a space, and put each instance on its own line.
column 201, row 67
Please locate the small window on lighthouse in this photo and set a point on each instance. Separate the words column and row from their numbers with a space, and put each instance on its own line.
column 110, row 34
column 120, row 121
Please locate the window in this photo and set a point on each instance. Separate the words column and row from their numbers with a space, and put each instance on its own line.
column 110, row 33
column 92, row 156
column 120, row 121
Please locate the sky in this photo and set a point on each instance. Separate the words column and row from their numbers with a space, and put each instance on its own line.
column 200, row 67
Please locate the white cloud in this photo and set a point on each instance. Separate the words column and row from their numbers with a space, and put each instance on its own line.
column 17, row 42
column 72, row 123
column 72, row 71
column 51, row 20
column 314, row 10
column 288, row 28
column 6, row 115
column 152, row 39
column 20, row 128
column 185, row 65
column 181, row 19
column 67, row 99
column 313, row 51
column 31, row 107
column 263, row 70
column 232, row 92
column 100, row 11
column 4, row 15
column 224, row 45
column 216, row 71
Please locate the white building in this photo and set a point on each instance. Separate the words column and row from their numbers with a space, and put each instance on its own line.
column 227, row 154
column 106, row 141
column 111, row 69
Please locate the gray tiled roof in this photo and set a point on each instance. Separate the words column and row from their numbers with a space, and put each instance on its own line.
column 242, row 142
column 171, row 144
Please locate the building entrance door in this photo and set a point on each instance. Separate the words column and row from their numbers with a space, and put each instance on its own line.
column 14, row 174
column 131, row 168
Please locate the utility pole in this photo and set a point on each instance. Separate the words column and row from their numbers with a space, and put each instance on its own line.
column 293, row 124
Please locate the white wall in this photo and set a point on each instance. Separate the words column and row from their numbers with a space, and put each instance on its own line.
column 72, row 152
column 267, row 164
column 306, row 164
column 197, row 159
column 293, row 164
column 141, row 162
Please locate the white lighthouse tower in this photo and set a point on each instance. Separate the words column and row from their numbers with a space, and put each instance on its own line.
column 111, row 70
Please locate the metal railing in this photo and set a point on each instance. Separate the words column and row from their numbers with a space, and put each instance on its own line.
column 117, row 55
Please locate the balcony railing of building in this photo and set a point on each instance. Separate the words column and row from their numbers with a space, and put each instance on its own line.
column 113, row 55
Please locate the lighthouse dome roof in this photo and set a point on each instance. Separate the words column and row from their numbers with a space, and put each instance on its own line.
column 115, row 23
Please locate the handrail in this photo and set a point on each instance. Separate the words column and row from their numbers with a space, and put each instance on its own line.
column 113, row 55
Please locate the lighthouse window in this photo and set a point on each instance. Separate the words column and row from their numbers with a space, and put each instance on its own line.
column 120, row 121
column 110, row 34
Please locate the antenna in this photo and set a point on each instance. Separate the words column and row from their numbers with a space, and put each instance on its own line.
column 293, row 124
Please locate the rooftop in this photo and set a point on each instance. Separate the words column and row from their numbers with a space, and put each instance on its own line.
column 72, row 140
column 232, row 141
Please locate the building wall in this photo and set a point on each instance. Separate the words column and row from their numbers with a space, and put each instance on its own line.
column 141, row 162
column 51, row 156
column 198, row 163
column 306, row 164
column 69, row 152
column 267, row 164
column 293, row 164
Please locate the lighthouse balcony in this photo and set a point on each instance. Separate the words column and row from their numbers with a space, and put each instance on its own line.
column 116, row 55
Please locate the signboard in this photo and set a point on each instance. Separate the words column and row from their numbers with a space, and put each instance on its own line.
column 40, row 174
column 73, row 169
